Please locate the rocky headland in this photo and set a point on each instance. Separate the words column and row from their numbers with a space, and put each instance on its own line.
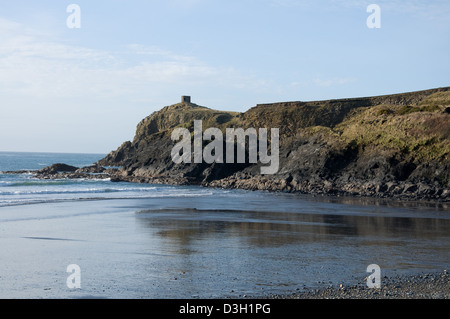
column 384, row 146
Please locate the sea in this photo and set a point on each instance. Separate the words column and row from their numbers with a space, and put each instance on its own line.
column 22, row 189
column 94, row 238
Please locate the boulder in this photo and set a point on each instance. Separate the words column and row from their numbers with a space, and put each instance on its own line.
column 57, row 168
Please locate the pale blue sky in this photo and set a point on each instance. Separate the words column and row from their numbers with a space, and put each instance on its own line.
column 84, row 90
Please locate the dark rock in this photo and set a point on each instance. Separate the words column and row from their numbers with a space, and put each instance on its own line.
column 57, row 168
column 95, row 169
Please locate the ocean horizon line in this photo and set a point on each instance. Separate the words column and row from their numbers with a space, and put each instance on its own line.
column 45, row 152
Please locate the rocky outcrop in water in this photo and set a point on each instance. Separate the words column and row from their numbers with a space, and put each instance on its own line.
column 57, row 168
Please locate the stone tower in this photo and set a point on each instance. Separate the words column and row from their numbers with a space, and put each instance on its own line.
column 185, row 99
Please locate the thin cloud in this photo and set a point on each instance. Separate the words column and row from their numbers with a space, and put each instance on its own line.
column 332, row 81
column 431, row 10
column 323, row 82
column 185, row 4
column 37, row 66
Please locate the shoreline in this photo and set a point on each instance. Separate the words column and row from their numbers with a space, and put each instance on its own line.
column 395, row 190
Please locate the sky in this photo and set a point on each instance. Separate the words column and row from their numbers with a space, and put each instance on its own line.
column 79, row 81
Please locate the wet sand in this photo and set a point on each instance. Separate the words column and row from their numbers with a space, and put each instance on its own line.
column 220, row 246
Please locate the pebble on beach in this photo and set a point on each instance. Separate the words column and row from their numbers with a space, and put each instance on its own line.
column 421, row 286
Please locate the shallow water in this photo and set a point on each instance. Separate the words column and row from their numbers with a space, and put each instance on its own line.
column 222, row 243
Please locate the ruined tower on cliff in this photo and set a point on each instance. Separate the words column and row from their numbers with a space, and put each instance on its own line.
column 185, row 99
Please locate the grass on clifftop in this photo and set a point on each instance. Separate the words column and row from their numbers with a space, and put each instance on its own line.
column 421, row 131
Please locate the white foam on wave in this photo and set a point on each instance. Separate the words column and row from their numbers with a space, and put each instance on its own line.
column 72, row 192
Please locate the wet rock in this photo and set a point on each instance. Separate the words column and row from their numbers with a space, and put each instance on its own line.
column 95, row 169
column 57, row 168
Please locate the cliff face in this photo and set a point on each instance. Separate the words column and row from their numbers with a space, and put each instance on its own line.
column 393, row 145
